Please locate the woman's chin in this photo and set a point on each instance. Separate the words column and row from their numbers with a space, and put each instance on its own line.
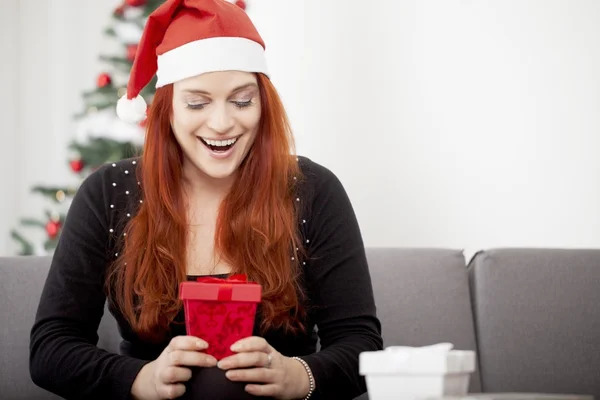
column 215, row 169
column 220, row 172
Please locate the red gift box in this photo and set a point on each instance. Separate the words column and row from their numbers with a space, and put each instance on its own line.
column 220, row 311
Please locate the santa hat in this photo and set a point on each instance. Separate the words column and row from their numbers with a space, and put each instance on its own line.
column 185, row 38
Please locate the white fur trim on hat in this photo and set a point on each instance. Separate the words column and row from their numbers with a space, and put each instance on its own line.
column 132, row 110
column 209, row 55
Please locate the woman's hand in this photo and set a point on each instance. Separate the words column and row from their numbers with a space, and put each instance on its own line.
column 271, row 373
column 163, row 378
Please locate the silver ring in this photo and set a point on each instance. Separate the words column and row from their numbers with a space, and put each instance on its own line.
column 269, row 362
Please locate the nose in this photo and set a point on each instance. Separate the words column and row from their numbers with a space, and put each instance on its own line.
column 220, row 119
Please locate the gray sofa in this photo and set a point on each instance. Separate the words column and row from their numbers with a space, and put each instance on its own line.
column 532, row 315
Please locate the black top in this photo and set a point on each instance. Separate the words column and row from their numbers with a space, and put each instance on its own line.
column 64, row 357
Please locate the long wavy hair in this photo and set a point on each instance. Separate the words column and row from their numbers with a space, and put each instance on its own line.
column 256, row 231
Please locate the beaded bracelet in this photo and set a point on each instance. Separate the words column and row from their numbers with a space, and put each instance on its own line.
column 311, row 378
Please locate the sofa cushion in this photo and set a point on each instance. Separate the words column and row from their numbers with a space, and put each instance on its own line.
column 423, row 298
column 21, row 283
column 537, row 318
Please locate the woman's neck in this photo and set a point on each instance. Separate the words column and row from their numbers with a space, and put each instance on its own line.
column 197, row 182
column 199, row 185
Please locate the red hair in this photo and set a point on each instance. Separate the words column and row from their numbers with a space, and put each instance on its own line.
column 256, row 232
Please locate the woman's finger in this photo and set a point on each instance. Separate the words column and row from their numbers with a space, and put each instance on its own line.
column 171, row 391
column 175, row 374
column 268, row 390
column 186, row 343
column 191, row 358
column 258, row 375
column 252, row 343
column 245, row 360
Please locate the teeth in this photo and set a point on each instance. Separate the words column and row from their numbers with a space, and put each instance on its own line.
column 220, row 143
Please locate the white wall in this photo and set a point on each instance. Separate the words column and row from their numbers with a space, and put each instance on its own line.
column 8, row 110
column 451, row 123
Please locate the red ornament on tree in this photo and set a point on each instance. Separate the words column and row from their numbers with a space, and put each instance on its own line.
column 119, row 11
column 104, row 80
column 76, row 165
column 135, row 3
column 52, row 229
column 131, row 51
column 241, row 4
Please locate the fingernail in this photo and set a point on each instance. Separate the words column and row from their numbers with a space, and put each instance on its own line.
column 201, row 344
column 211, row 361
column 223, row 364
column 235, row 347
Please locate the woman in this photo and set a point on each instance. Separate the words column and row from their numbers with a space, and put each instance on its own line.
column 216, row 192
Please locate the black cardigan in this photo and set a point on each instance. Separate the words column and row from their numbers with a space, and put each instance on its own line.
column 64, row 358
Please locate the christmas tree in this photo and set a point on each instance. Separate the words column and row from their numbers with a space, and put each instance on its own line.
column 99, row 136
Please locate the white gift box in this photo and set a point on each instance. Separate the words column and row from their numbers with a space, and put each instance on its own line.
column 417, row 372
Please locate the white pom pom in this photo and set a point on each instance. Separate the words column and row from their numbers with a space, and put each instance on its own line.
column 132, row 110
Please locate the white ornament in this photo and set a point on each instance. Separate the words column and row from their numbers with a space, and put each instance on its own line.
column 133, row 12
column 128, row 32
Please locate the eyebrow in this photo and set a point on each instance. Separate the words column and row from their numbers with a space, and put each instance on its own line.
column 235, row 90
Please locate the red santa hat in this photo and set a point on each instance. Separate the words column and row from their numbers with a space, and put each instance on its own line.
column 185, row 38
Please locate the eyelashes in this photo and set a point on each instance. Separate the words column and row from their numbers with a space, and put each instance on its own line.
column 238, row 104
column 243, row 104
column 195, row 106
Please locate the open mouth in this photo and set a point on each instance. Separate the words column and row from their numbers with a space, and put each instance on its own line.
column 219, row 146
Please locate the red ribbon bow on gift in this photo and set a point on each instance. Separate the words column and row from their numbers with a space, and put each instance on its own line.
column 226, row 284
